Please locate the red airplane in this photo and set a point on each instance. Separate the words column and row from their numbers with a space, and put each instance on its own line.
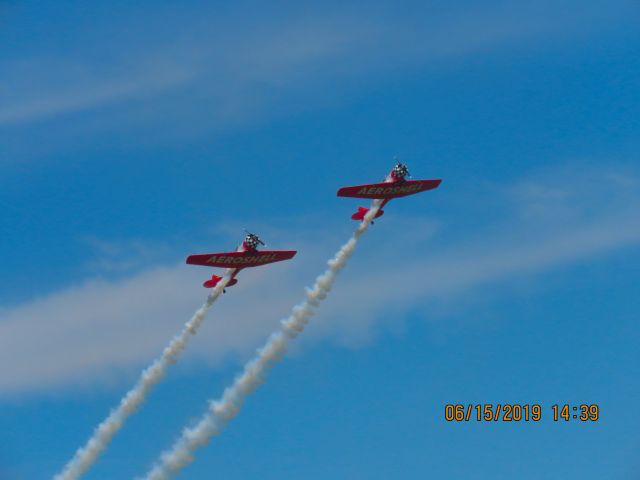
column 247, row 255
column 394, row 185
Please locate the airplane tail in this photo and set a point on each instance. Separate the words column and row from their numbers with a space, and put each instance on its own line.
column 362, row 211
column 215, row 279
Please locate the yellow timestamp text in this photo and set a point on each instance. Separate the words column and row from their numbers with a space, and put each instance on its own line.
column 520, row 412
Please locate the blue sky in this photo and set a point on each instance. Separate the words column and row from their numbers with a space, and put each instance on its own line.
column 133, row 136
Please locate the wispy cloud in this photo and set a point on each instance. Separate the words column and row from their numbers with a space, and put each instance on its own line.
column 123, row 256
column 217, row 71
column 240, row 74
column 89, row 333
column 71, row 88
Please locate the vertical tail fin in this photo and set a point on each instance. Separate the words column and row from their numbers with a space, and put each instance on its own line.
column 212, row 282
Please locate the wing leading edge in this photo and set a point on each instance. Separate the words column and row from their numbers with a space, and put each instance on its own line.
column 389, row 190
column 240, row 259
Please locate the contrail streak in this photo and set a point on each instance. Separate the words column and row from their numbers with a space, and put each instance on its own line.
column 220, row 412
column 87, row 455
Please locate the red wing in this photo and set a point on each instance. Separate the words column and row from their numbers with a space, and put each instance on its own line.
column 240, row 259
column 389, row 190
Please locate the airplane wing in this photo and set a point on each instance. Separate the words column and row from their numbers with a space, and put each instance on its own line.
column 240, row 259
column 389, row 190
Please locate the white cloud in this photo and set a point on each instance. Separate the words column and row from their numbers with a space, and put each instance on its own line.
column 78, row 91
column 87, row 334
column 234, row 75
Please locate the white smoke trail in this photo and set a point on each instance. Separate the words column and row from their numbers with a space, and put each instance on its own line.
column 87, row 455
column 223, row 410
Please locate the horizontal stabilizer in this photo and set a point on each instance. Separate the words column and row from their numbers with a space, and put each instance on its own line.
column 359, row 215
column 215, row 279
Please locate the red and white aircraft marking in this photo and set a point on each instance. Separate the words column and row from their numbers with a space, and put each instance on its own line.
column 393, row 186
column 247, row 255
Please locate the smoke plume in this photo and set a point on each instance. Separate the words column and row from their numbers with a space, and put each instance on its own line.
column 87, row 455
column 220, row 412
